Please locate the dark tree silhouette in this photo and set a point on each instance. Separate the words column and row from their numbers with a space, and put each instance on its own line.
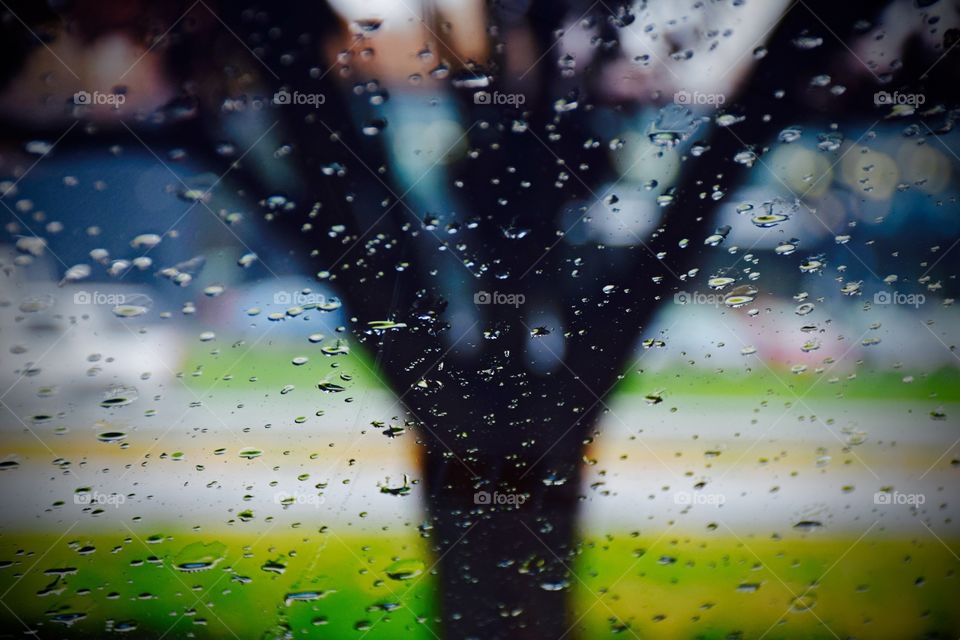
column 524, row 430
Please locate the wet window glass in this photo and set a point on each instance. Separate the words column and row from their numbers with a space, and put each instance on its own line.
column 528, row 319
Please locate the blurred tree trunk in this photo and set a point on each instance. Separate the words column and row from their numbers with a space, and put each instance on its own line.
column 488, row 420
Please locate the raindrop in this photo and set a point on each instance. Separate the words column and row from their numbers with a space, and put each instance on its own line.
column 739, row 296
column 133, row 306
column 405, row 569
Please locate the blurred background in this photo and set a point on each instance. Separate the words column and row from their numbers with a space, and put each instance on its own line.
column 202, row 437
